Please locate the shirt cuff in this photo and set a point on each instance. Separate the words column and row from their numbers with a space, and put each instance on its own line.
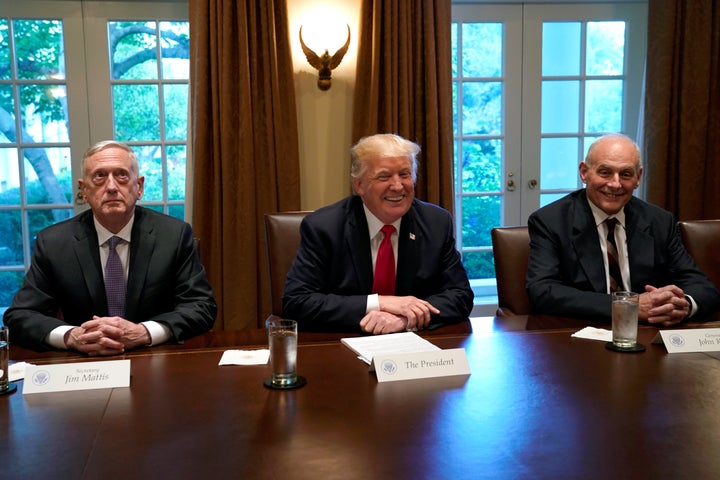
column 693, row 305
column 373, row 303
column 56, row 337
column 159, row 333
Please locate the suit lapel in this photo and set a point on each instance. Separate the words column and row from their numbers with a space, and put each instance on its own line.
column 639, row 243
column 142, row 245
column 586, row 243
column 357, row 235
column 407, row 253
column 87, row 253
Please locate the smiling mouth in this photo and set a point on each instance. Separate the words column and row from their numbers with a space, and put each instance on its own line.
column 397, row 198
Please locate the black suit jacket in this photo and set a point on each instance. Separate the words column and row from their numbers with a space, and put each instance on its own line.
column 566, row 273
column 166, row 281
column 332, row 275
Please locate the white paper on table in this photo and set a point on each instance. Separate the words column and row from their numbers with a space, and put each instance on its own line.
column 394, row 343
column 593, row 333
column 245, row 357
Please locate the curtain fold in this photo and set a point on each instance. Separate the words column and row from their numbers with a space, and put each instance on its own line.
column 404, row 85
column 245, row 146
column 682, row 108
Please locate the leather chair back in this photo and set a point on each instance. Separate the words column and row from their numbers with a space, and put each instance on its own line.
column 702, row 241
column 511, row 249
column 282, row 237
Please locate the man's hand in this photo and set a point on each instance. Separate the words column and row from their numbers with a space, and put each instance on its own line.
column 417, row 312
column 378, row 323
column 665, row 305
column 107, row 336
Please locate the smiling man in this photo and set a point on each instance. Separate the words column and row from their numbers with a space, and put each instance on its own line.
column 379, row 261
column 568, row 269
column 115, row 277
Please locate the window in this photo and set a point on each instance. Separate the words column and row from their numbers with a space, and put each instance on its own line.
column 533, row 86
column 71, row 74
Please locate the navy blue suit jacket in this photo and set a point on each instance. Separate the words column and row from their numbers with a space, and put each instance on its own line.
column 166, row 281
column 332, row 275
column 566, row 273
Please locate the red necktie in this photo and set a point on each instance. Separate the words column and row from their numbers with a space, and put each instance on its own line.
column 384, row 281
column 616, row 282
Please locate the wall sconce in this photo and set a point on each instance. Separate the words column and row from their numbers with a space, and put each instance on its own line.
column 324, row 63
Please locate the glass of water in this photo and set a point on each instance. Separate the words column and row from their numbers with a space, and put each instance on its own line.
column 282, row 341
column 624, row 319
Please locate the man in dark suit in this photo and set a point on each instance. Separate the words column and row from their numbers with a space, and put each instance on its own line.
column 333, row 284
column 568, row 269
column 63, row 301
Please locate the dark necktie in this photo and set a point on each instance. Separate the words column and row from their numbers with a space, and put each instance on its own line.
column 616, row 282
column 384, row 281
column 114, row 281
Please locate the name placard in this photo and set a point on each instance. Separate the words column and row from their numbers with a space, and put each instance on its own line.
column 409, row 366
column 690, row 340
column 66, row 377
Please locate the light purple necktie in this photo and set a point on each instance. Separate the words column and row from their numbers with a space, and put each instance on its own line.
column 114, row 280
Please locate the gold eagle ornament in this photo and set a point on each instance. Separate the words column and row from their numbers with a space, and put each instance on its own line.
column 324, row 63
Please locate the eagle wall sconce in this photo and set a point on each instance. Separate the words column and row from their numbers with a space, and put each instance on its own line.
column 324, row 63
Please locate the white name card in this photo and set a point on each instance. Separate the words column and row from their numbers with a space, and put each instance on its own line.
column 690, row 340
column 66, row 377
column 409, row 366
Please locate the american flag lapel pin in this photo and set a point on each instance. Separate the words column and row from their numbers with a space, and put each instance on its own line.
column 412, row 236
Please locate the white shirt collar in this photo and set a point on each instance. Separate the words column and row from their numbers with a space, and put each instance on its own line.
column 600, row 216
column 374, row 224
column 104, row 234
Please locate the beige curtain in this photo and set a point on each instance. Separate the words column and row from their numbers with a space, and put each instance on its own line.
column 404, row 85
column 245, row 149
column 682, row 107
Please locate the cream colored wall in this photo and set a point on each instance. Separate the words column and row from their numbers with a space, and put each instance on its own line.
column 324, row 117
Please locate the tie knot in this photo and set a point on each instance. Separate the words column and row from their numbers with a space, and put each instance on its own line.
column 387, row 230
column 611, row 222
column 113, row 242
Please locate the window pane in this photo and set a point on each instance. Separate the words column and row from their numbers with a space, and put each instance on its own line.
column 548, row 198
column 9, row 177
column 176, row 111
column 454, row 48
column 44, row 112
column 480, row 215
column 175, row 36
column 39, row 49
column 177, row 211
column 605, row 48
column 176, row 166
column 482, row 49
column 603, row 105
column 9, row 284
column 561, row 48
column 481, row 162
column 559, row 163
column 11, row 246
column 482, row 108
column 560, row 106
column 150, row 162
column 479, row 264
column 136, row 112
column 7, row 114
column 48, row 176
column 133, row 50
column 5, row 72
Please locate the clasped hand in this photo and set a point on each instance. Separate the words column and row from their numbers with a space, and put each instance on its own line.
column 665, row 305
column 107, row 336
column 397, row 314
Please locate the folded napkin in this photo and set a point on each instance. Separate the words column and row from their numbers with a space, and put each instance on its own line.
column 17, row 371
column 245, row 357
column 593, row 333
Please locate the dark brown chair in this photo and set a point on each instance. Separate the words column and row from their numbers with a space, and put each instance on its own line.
column 511, row 248
column 702, row 241
column 282, row 237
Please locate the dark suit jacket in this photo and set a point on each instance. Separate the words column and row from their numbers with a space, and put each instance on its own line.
column 566, row 273
column 332, row 275
column 166, row 281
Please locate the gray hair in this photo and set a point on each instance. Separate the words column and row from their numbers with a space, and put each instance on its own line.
column 105, row 144
column 382, row 145
column 614, row 138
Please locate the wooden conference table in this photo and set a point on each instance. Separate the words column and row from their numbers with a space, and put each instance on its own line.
column 539, row 404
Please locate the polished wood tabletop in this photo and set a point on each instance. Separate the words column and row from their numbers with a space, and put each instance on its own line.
column 538, row 404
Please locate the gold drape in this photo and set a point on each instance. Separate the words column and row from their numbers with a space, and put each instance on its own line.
column 404, row 85
column 682, row 107
column 245, row 148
